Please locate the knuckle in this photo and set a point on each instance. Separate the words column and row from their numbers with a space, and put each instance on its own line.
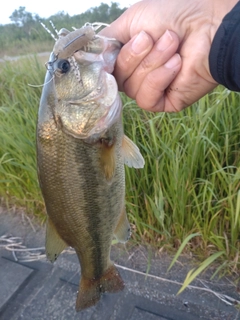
column 126, row 62
column 151, row 84
column 146, row 65
column 130, row 91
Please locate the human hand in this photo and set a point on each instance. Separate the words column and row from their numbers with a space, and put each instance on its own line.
column 148, row 69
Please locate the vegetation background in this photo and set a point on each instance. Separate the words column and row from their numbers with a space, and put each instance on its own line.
column 187, row 197
column 25, row 34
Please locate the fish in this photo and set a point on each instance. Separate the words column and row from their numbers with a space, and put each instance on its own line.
column 81, row 153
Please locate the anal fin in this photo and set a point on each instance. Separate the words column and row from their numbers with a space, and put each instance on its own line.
column 54, row 243
column 131, row 154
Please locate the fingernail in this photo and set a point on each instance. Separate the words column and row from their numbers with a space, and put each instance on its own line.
column 173, row 62
column 140, row 43
column 165, row 41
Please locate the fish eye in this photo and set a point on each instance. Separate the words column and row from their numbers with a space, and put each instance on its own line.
column 63, row 66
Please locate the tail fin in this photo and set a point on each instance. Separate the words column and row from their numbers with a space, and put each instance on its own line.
column 90, row 290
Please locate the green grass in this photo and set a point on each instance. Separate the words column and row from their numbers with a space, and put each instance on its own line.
column 188, row 192
column 190, row 183
column 24, row 47
column 18, row 114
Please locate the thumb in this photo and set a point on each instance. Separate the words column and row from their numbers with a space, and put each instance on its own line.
column 120, row 29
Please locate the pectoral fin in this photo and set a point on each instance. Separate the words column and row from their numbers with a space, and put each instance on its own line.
column 54, row 244
column 107, row 158
column 131, row 154
column 123, row 229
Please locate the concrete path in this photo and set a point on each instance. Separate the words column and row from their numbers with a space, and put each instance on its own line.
column 38, row 290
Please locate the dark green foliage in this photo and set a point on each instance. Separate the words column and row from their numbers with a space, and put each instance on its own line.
column 26, row 29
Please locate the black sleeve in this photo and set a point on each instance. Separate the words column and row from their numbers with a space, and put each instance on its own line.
column 224, row 57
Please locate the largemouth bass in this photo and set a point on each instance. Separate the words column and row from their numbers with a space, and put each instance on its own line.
column 81, row 152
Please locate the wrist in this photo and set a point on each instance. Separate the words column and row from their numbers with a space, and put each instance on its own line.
column 220, row 10
column 224, row 61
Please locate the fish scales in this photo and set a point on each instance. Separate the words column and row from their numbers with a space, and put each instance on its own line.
column 82, row 192
column 81, row 152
